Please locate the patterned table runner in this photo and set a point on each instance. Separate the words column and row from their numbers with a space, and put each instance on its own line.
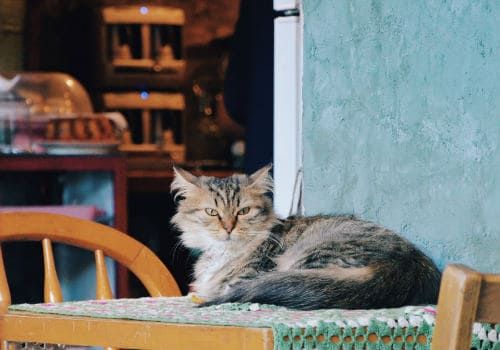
column 406, row 328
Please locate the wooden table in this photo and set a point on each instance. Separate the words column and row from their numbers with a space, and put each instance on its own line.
column 115, row 163
column 46, row 163
column 86, row 331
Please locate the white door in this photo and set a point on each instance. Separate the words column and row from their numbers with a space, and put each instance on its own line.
column 287, row 105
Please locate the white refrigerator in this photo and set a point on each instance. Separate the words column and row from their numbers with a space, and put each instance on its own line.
column 287, row 107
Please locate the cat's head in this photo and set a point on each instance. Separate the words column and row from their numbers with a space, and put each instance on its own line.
column 215, row 212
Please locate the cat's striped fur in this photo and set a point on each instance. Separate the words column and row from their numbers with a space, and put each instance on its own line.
column 249, row 255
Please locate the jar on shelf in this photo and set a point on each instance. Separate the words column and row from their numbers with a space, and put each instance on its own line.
column 15, row 129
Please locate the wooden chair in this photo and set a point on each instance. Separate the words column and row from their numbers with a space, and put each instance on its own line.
column 466, row 296
column 102, row 239
column 89, row 331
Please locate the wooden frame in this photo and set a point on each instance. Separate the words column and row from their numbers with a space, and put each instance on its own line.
column 56, row 329
column 465, row 296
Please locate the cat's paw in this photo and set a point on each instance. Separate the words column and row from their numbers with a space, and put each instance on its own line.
column 197, row 300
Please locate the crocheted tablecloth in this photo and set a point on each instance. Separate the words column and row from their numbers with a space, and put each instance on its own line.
column 406, row 328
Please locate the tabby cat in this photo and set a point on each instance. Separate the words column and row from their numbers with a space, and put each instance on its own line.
column 249, row 255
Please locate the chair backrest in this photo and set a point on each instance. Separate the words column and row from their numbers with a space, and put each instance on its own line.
column 466, row 296
column 102, row 239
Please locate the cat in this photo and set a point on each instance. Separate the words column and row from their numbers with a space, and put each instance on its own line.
column 328, row 261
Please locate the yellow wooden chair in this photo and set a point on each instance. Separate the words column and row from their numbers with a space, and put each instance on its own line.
column 102, row 239
column 466, row 296
column 92, row 331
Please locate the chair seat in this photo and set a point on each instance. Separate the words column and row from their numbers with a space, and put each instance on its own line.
column 411, row 325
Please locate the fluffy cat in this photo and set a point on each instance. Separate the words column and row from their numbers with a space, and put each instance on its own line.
column 249, row 255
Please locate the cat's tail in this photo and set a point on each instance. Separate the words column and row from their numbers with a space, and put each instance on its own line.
column 425, row 283
column 318, row 289
column 304, row 289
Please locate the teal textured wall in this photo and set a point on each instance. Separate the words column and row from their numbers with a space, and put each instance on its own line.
column 401, row 120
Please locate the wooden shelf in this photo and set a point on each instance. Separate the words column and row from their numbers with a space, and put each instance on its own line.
column 151, row 100
column 151, row 181
column 143, row 14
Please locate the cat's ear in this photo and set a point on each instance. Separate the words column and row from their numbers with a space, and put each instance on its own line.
column 262, row 179
column 183, row 182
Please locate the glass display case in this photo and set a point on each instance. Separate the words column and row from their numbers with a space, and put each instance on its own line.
column 52, row 112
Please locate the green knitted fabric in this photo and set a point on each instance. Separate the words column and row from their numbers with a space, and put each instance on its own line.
column 405, row 328
column 327, row 336
column 486, row 337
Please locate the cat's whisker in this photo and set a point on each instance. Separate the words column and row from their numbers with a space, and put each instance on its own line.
column 175, row 249
column 276, row 240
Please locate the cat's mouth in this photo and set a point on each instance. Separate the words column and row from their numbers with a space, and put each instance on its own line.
column 226, row 237
column 233, row 236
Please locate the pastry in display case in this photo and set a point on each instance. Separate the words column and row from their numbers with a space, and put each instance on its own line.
column 52, row 113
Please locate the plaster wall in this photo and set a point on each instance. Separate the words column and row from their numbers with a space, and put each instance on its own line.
column 401, row 120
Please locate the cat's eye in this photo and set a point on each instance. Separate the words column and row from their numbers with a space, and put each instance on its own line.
column 244, row 211
column 211, row 212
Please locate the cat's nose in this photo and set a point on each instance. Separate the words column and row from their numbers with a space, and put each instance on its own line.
column 228, row 226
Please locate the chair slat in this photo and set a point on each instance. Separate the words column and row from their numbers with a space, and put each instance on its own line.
column 5, row 299
column 466, row 296
column 103, row 289
column 52, row 289
column 489, row 306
